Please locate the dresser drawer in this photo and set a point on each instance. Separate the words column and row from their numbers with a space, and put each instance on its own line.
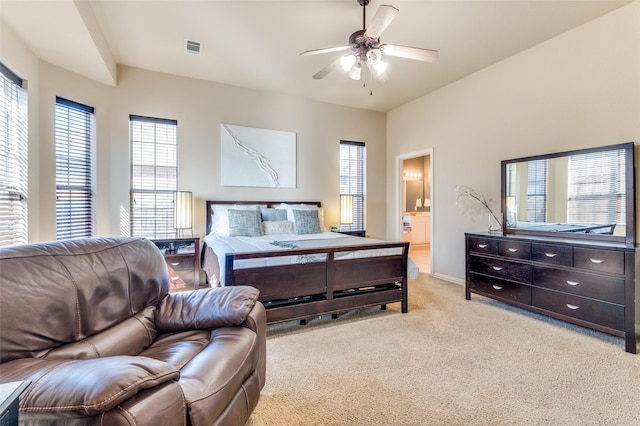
column 178, row 262
column 595, row 286
column 552, row 254
column 610, row 261
column 514, row 249
column 506, row 290
column 602, row 313
column 483, row 245
column 501, row 268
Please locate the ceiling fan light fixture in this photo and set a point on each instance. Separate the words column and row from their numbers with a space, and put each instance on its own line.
column 355, row 72
column 381, row 67
column 347, row 62
column 374, row 56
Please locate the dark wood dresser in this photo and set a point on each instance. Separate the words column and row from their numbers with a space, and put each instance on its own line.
column 591, row 284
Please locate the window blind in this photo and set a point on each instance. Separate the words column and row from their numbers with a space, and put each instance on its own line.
column 353, row 181
column 153, row 176
column 537, row 191
column 74, row 169
column 596, row 188
column 13, row 159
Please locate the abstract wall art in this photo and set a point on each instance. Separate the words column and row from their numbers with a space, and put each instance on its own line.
column 257, row 157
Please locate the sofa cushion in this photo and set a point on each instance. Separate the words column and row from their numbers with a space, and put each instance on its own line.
column 75, row 289
column 80, row 388
column 206, row 309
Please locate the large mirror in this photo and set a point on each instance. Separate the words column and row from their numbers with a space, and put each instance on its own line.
column 586, row 193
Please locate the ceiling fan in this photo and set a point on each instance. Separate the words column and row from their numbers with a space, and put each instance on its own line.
column 365, row 49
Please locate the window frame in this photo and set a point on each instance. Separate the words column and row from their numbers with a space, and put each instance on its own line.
column 353, row 182
column 14, row 173
column 75, row 169
column 155, row 197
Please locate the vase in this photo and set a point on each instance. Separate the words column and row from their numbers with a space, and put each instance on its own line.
column 495, row 223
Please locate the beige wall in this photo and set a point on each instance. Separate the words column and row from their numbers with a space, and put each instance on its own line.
column 199, row 107
column 580, row 89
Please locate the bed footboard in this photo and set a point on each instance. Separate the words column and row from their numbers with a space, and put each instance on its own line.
column 328, row 284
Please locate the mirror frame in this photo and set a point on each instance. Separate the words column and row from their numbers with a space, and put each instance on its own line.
column 630, row 215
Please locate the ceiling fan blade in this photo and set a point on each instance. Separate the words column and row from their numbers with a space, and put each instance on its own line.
column 381, row 20
column 416, row 53
column 327, row 50
column 326, row 70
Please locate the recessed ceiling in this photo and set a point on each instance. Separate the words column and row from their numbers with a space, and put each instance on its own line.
column 256, row 44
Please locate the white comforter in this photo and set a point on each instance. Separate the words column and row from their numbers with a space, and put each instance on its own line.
column 221, row 245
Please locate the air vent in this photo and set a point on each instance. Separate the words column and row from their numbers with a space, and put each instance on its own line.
column 192, row 47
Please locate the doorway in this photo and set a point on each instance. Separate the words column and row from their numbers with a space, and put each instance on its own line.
column 415, row 206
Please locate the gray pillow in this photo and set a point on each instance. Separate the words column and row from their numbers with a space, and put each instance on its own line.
column 269, row 214
column 306, row 222
column 244, row 223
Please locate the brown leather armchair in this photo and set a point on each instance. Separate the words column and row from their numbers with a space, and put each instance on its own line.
column 92, row 325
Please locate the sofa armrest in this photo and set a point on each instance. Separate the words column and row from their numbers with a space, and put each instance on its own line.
column 81, row 388
column 206, row 309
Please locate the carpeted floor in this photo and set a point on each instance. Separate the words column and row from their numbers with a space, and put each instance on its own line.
column 448, row 361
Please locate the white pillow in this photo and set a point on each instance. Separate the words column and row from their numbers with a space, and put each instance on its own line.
column 220, row 216
column 291, row 207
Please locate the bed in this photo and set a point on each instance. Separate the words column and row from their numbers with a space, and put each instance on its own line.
column 301, row 269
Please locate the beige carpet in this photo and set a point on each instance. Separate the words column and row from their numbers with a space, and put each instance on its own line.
column 448, row 361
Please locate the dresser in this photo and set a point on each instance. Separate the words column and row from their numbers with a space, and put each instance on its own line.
column 591, row 284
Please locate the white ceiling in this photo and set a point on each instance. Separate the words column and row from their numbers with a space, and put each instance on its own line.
column 256, row 44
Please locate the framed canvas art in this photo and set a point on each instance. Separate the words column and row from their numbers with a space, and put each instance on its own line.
column 257, row 157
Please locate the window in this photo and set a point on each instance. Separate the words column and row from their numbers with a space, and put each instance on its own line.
column 596, row 188
column 13, row 159
column 352, row 185
column 74, row 169
column 153, row 176
column 537, row 191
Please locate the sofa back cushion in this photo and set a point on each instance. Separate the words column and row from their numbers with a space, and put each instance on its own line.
column 58, row 293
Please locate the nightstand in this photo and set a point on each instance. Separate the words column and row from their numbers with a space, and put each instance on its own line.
column 183, row 256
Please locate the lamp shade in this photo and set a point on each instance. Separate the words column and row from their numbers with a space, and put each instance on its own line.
column 346, row 209
column 182, row 209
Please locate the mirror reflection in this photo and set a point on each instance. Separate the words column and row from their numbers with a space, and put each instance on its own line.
column 581, row 193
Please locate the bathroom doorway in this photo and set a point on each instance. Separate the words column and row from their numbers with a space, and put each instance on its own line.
column 416, row 206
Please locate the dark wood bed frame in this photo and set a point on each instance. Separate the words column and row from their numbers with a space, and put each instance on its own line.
column 302, row 291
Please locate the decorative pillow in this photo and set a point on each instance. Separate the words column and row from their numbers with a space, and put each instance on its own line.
column 220, row 216
column 269, row 214
column 278, row 227
column 291, row 207
column 306, row 222
column 244, row 223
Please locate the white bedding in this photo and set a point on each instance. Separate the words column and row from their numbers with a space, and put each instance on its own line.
column 221, row 245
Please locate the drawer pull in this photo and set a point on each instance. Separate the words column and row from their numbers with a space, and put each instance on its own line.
column 175, row 263
column 573, row 283
column 597, row 261
column 573, row 307
column 175, row 278
column 497, row 268
column 551, row 254
column 497, row 287
column 482, row 245
column 512, row 250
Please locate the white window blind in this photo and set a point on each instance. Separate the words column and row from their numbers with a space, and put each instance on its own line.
column 74, row 169
column 13, row 159
column 153, row 176
column 537, row 191
column 596, row 188
column 353, row 162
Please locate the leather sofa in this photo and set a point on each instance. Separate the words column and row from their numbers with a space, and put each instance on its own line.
column 92, row 325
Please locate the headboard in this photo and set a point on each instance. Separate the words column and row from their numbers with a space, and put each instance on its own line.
column 267, row 203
